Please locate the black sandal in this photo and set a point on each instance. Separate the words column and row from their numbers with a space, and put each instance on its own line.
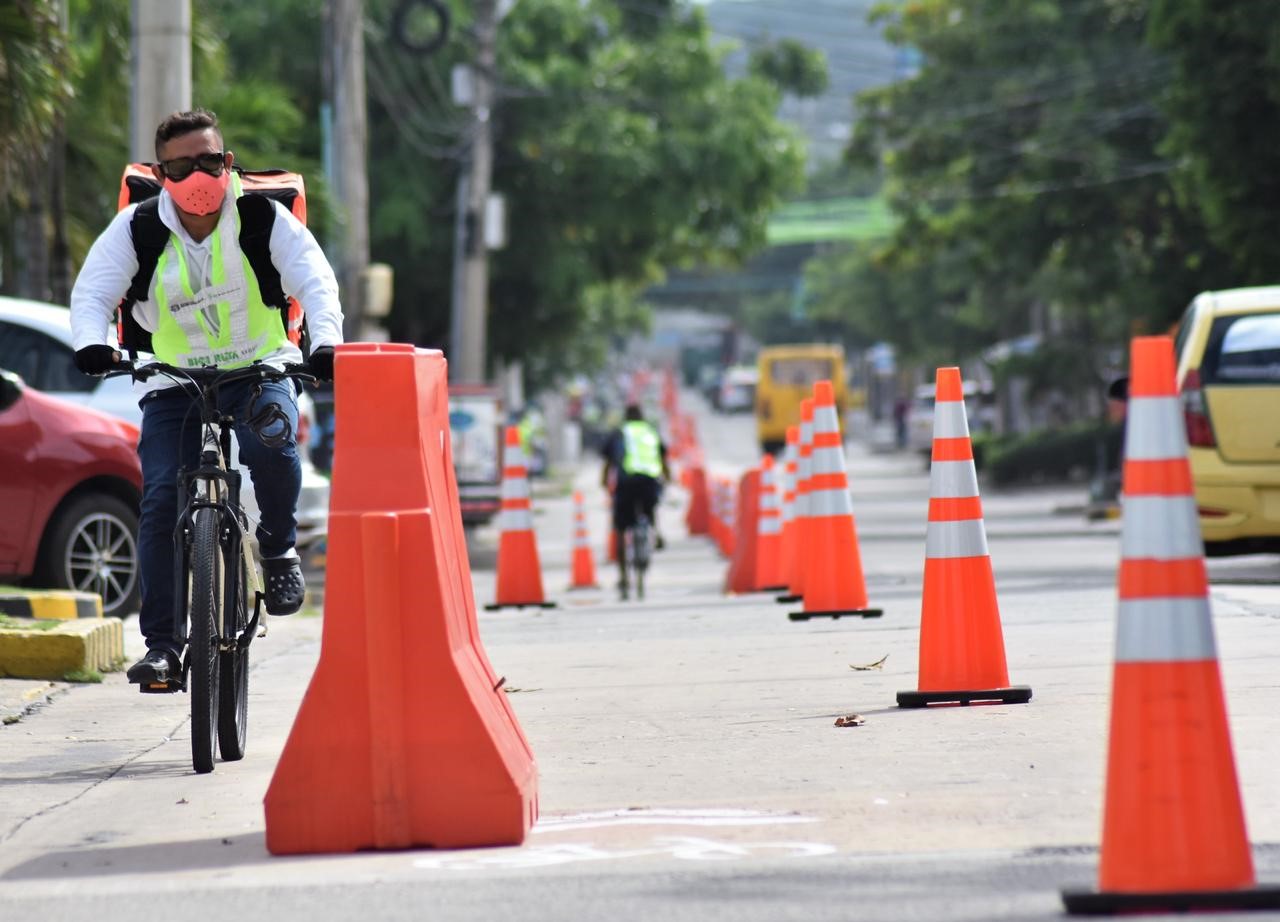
column 285, row 588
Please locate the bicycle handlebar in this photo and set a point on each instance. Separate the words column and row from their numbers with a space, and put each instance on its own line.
column 206, row 376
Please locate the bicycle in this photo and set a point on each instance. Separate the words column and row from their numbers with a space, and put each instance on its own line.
column 211, row 543
column 641, row 535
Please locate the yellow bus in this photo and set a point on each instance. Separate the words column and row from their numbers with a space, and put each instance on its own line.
column 786, row 376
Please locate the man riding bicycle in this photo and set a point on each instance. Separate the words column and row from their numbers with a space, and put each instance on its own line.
column 635, row 458
column 204, row 307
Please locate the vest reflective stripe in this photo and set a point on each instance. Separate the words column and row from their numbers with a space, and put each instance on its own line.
column 1154, row 429
column 949, row 479
column 826, row 461
column 1160, row 527
column 960, row 538
column 1164, row 630
column 515, row 488
column 515, row 520
column 642, row 449
column 823, row 503
column 949, row 420
column 825, row 419
column 226, row 322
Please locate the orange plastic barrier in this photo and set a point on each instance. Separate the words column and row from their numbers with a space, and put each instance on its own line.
column 961, row 641
column 741, row 576
column 519, row 582
column 697, row 518
column 404, row 737
column 790, row 476
column 833, row 585
column 584, row 565
column 1173, row 833
column 768, row 575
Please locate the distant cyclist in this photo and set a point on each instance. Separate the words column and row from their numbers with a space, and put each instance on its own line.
column 635, row 466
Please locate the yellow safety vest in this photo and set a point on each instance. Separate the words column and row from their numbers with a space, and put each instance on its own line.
column 642, row 449
column 225, row 323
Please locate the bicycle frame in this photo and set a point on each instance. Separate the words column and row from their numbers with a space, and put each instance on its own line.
column 213, row 485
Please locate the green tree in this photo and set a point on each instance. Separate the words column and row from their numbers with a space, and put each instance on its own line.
column 621, row 147
column 1223, row 104
column 791, row 65
column 1024, row 164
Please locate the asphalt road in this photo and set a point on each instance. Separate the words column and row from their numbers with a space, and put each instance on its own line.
column 688, row 759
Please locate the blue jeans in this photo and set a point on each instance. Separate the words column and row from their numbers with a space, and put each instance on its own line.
column 168, row 444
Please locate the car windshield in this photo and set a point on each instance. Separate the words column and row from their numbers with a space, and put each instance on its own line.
column 1243, row 350
column 800, row 372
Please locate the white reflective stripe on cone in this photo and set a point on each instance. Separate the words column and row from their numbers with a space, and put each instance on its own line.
column 769, row 500
column 769, row 526
column 515, row 488
column 1154, row 429
column 766, row 478
column 963, row 538
column 825, row 419
column 826, row 461
column 829, row 502
column 513, row 456
column 949, row 420
column 1160, row 527
column 515, row 520
column 953, row 479
column 1164, row 630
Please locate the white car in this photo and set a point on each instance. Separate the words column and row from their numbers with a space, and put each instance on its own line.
column 35, row 343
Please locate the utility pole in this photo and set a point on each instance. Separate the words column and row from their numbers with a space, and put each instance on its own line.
column 161, row 42
column 471, row 339
column 350, row 154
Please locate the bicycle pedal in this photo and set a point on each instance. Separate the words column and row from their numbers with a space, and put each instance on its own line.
column 161, row 688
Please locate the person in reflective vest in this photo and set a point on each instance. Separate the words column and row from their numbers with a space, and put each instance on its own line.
column 635, row 468
column 204, row 307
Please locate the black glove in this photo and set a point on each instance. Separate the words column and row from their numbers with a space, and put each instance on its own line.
column 96, row 360
column 321, row 363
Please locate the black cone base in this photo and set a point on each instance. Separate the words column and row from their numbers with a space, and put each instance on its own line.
column 788, row 599
column 494, row 606
column 1014, row 694
column 1094, row 903
column 850, row 613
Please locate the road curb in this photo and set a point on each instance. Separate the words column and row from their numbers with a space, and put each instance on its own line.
column 79, row 645
column 52, row 604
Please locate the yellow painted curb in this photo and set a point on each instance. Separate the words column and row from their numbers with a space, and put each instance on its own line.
column 90, row 643
column 52, row 604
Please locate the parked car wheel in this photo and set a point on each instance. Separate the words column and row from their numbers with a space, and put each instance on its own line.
column 92, row 546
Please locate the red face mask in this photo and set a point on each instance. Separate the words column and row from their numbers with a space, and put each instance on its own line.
column 199, row 193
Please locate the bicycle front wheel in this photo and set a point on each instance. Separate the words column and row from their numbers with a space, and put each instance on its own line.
column 233, row 666
column 203, row 635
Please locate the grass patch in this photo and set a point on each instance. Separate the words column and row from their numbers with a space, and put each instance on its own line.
column 86, row 676
column 26, row 624
column 309, row 611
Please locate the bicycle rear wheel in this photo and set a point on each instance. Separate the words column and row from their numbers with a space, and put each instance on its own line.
column 233, row 667
column 205, row 614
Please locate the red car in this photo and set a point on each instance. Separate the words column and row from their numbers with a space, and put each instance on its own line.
column 70, row 483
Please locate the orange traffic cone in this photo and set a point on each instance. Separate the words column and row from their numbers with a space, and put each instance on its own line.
column 519, row 572
column 584, row 566
column 800, row 542
column 697, row 518
column 742, row 560
column 790, row 461
column 728, row 521
column 404, row 737
column 1173, row 833
column 833, row 582
column 768, row 575
column 961, row 642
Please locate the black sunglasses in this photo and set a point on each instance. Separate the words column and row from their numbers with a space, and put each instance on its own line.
column 180, row 168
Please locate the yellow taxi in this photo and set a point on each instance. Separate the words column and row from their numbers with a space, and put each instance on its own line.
column 1228, row 348
column 785, row 376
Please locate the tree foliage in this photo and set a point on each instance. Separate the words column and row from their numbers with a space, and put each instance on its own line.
column 1026, row 167
column 792, row 65
column 621, row 147
column 33, row 89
